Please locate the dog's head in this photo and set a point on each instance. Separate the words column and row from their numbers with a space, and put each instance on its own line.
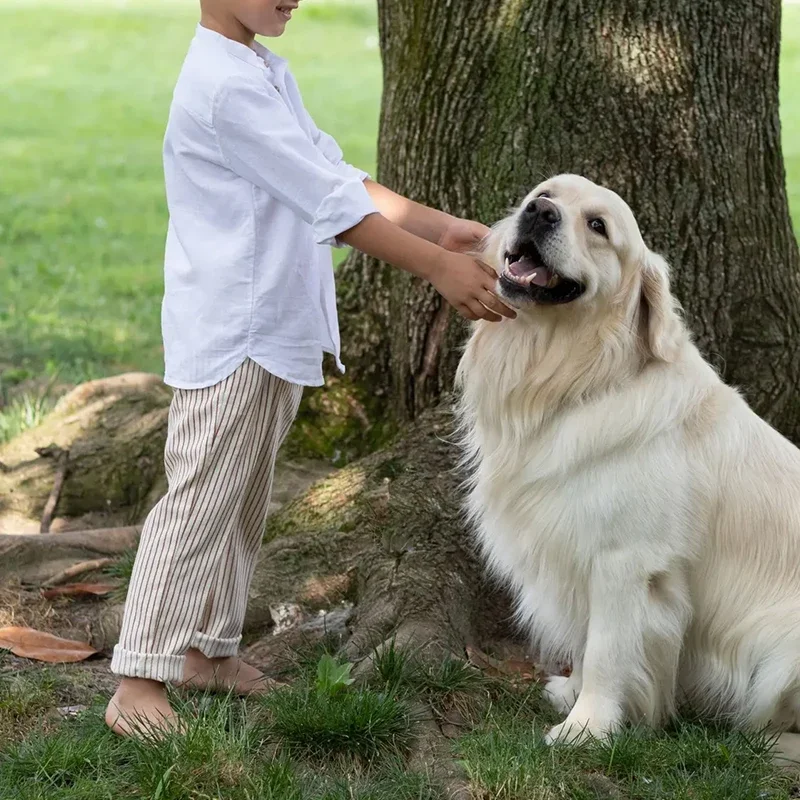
column 572, row 243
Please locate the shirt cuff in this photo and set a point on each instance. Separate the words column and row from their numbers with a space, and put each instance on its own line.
column 341, row 210
column 350, row 172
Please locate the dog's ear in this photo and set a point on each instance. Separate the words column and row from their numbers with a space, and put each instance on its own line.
column 662, row 328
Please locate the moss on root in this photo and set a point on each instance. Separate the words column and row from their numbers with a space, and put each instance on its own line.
column 339, row 423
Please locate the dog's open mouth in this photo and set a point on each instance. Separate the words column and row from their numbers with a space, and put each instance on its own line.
column 526, row 276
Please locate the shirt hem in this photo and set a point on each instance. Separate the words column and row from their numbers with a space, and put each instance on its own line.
column 264, row 363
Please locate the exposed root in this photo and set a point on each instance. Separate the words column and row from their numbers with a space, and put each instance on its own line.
column 37, row 558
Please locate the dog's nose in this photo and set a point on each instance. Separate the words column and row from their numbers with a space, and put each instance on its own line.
column 542, row 213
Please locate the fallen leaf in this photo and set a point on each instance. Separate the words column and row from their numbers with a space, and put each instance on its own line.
column 78, row 590
column 40, row 646
column 526, row 670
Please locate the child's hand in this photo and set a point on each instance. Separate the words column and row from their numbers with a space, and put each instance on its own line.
column 463, row 235
column 468, row 285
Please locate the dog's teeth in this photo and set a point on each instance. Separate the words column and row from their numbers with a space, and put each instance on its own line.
column 508, row 263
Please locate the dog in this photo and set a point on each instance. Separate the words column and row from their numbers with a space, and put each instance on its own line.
column 645, row 518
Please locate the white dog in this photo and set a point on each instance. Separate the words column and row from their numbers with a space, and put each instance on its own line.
column 646, row 518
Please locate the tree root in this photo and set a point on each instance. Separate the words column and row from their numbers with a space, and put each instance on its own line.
column 35, row 559
column 383, row 536
column 115, row 431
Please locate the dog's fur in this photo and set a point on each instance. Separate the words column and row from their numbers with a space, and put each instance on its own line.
column 647, row 520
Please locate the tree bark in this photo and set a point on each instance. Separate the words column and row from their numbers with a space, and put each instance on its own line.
column 672, row 103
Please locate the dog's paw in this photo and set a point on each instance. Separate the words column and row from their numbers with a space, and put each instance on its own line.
column 561, row 693
column 567, row 733
column 576, row 731
column 591, row 718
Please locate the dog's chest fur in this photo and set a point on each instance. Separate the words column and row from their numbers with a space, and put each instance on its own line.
column 549, row 494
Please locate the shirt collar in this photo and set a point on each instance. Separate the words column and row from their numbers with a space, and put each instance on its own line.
column 256, row 55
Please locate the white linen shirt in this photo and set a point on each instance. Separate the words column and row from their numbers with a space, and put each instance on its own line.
column 256, row 195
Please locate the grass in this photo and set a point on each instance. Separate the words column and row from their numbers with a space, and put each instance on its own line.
column 120, row 571
column 333, row 740
column 307, row 741
column 23, row 412
column 25, row 697
column 507, row 761
column 366, row 724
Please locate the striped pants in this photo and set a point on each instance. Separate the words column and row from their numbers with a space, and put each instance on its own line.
column 199, row 545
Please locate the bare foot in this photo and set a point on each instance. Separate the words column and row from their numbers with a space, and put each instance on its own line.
column 140, row 707
column 224, row 675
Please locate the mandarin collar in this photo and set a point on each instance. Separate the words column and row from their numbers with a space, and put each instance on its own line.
column 257, row 55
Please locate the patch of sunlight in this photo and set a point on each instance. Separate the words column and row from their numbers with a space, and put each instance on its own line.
column 337, row 491
column 511, row 11
column 121, row 335
column 646, row 57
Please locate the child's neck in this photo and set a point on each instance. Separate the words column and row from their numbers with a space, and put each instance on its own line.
column 229, row 27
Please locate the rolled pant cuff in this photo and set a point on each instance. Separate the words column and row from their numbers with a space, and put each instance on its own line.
column 211, row 647
column 156, row 667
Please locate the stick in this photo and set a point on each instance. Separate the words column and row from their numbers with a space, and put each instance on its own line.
column 77, row 569
column 62, row 457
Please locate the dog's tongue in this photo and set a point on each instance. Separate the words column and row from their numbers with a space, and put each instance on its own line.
column 525, row 266
column 542, row 277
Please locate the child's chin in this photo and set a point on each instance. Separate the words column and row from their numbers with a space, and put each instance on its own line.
column 273, row 29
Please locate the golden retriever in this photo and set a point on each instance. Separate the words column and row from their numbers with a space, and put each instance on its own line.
column 647, row 520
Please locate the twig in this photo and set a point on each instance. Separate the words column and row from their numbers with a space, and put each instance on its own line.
column 62, row 456
column 77, row 569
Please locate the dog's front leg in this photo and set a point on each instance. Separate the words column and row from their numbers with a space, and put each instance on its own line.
column 637, row 618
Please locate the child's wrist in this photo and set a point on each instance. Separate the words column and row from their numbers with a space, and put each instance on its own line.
column 436, row 265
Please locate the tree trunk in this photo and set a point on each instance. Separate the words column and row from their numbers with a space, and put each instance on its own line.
column 672, row 103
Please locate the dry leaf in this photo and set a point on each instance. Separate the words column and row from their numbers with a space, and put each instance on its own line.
column 78, row 590
column 40, row 646
column 512, row 666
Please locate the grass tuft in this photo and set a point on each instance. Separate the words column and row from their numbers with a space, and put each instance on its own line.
column 365, row 724
column 22, row 413
column 121, row 571
column 24, row 697
column 394, row 667
column 451, row 677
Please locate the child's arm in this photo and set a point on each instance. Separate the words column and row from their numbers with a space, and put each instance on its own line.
column 467, row 284
column 443, row 229
column 260, row 141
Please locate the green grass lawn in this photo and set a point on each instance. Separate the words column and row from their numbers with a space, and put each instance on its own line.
column 322, row 739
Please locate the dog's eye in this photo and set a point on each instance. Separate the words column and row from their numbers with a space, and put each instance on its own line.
column 598, row 226
column 543, row 194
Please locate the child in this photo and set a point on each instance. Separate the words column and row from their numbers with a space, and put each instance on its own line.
column 256, row 194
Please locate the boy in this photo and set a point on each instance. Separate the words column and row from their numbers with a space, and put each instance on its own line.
column 256, row 193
